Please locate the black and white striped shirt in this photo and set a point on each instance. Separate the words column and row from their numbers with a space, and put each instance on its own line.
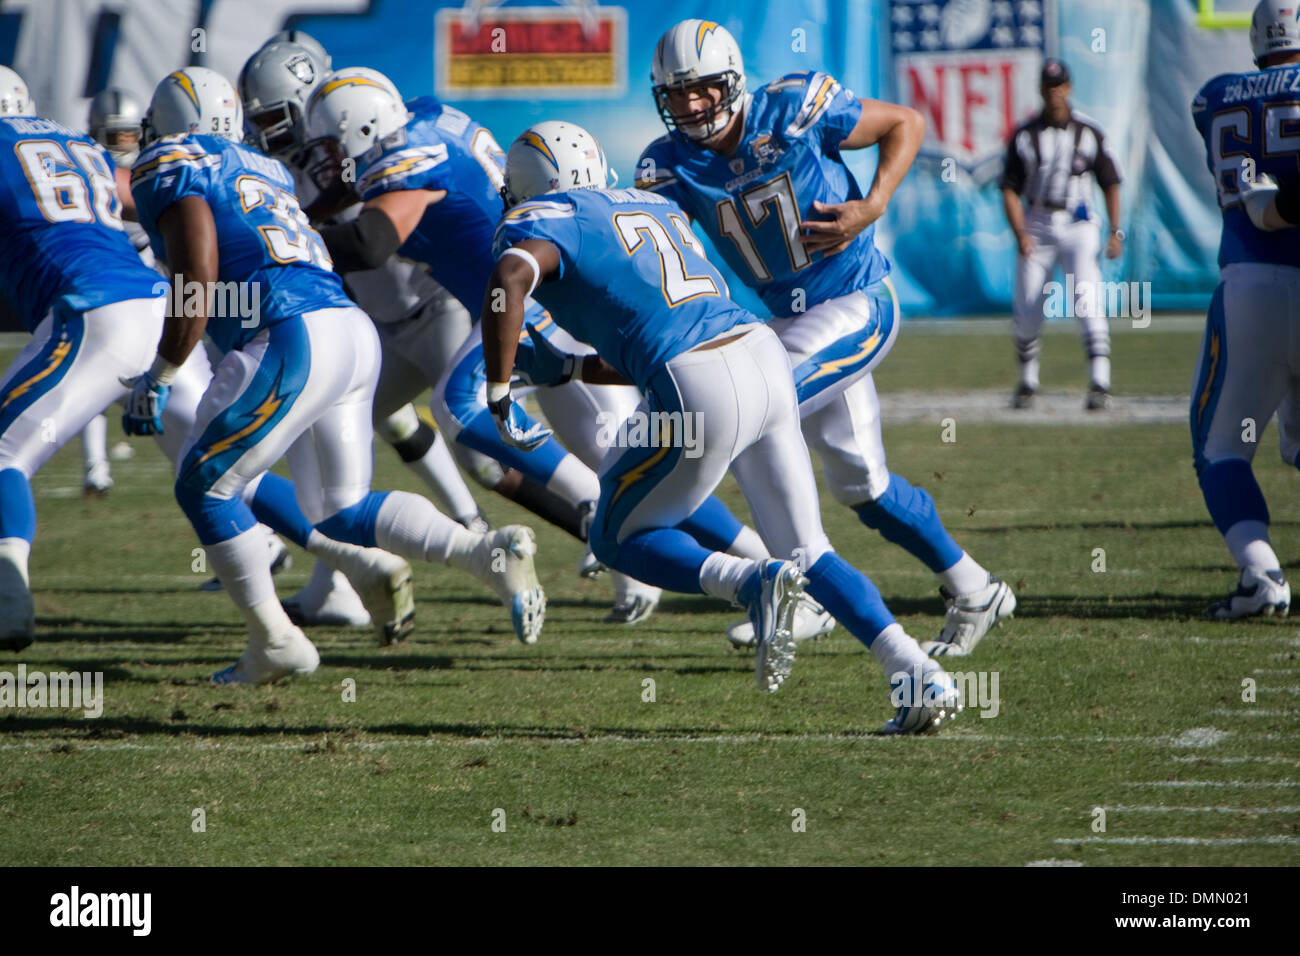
column 1048, row 165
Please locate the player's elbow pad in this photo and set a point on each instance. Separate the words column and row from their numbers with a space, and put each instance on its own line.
column 364, row 243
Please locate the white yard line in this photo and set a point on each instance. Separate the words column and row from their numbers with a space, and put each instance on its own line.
column 1185, row 841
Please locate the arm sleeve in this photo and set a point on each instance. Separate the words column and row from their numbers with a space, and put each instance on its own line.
column 365, row 242
column 1013, row 168
column 1105, row 166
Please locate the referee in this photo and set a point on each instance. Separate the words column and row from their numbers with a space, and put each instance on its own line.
column 1047, row 165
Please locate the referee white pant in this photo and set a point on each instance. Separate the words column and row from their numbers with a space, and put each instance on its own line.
column 1074, row 244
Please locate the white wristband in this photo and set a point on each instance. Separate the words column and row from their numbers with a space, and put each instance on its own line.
column 527, row 257
column 497, row 391
column 162, row 371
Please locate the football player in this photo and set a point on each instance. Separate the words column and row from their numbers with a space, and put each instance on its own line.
column 296, row 379
column 93, row 308
column 420, row 325
column 1250, row 356
column 622, row 271
column 430, row 181
column 762, row 174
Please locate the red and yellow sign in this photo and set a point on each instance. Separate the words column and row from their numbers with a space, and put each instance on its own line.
column 532, row 52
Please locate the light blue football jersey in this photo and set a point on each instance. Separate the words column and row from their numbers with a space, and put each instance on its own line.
column 751, row 203
column 1255, row 117
column 634, row 283
column 60, row 223
column 263, row 237
column 442, row 148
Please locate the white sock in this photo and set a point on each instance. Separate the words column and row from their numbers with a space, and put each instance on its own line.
column 437, row 469
column 1099, row 370
column 412, row 527
column 722, row 575
column 17, row 551
column 748, row 544
column 965, row 576
column 897, row 651
column 1029, row 373
column 240, row 565
column 574, row 482
column 1249, row 545
column 94, row 441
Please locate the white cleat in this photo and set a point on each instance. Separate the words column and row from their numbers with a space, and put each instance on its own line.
column 1257, row 594
column 328, row 600
column 925, row 698
column 633, row 601
column 771, row 594
column 17, row 610
column 98, row 480
column 589, row 566
column 383, row 582
column 970, row 617
column 811, row 621
column 503, row 560
column 289, row 655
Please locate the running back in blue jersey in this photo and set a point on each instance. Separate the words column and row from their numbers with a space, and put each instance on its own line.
column 1254, row 117
column 634, row 283
column 442, row 148
column 263, row 237
column 751, row 203
column 60, row 223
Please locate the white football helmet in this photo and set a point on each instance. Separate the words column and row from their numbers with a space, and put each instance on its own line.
column 554, row 157
column 692, row 53
column 113, row 113
column 274, row 85
column 358, row 107
column 1275, row 28
column 194, row 100
column 15, row 100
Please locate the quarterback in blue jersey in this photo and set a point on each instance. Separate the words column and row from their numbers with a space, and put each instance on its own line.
column 762, row 174
column 430, row 181
column 1250, row 360
column 94, row 311
column 621, row 271
column 298, row 378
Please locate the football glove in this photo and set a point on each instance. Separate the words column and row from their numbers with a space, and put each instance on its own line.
column 514, row 425
column 538, row 362
column 144, row 405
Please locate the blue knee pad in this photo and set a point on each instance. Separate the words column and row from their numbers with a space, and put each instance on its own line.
column 355, row 524
column 276, row 505
column 663, row 557
column 1231, row 493
column 17, row 506
column 713, row 525
column 214, row 519
column 850, row 597
column 906, row 516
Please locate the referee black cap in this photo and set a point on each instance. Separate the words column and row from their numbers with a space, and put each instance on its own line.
column 1055, row 72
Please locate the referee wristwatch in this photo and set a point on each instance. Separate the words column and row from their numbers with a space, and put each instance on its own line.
column 1118, row 234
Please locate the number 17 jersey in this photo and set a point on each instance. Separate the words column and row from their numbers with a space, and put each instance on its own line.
column 752, row 203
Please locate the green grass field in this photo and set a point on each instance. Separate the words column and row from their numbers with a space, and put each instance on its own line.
column 1113, row 691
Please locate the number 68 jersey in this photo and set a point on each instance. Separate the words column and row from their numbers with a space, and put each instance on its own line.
column 1251, row 126
column 265, row 244
column 60, row 223
column 753, row 202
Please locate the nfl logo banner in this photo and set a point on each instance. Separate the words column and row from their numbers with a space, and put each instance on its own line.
column 488, row 50
column 971, row 68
